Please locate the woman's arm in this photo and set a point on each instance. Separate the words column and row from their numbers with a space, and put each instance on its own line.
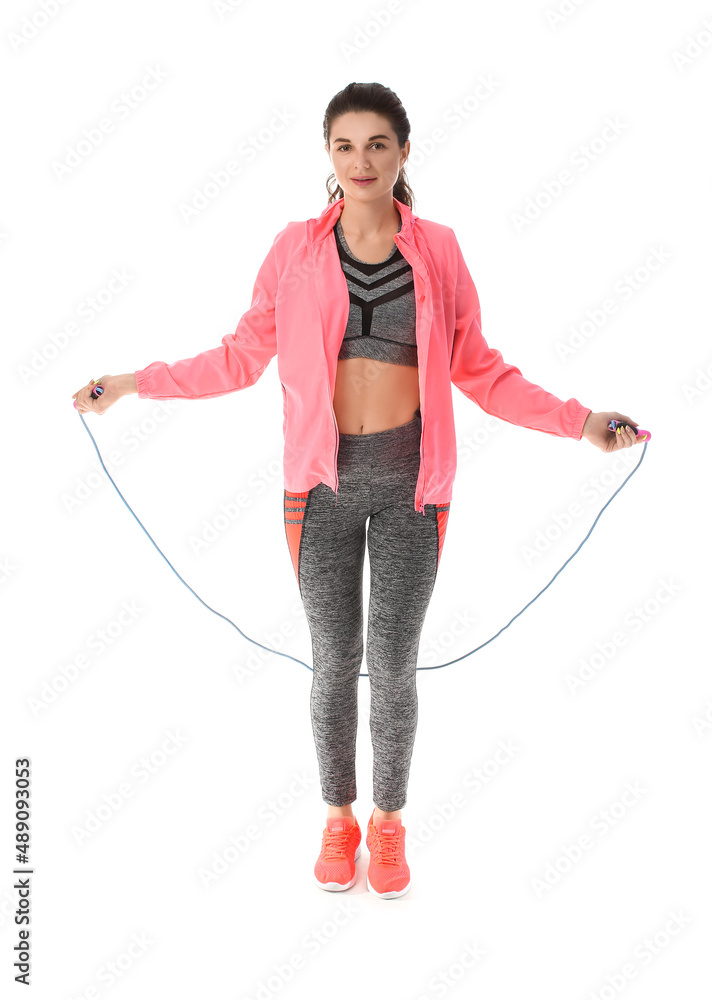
column 481, row 373
column 236, row 364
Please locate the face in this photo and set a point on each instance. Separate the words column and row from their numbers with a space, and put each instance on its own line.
column 363, row 144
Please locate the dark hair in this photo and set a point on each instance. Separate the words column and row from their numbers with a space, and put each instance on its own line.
column 382, row 101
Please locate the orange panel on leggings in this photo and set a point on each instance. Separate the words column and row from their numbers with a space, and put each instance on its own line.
column 443, row 510
column 294, row 504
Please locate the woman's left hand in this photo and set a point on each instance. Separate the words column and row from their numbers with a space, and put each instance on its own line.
column 596, row 430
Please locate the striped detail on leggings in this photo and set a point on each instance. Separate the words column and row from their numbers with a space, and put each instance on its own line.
column 294, row 506
column 443, row 511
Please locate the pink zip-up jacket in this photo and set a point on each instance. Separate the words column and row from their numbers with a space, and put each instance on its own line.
column 299, row 311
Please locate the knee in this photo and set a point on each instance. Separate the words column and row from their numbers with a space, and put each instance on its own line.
column 396, row 696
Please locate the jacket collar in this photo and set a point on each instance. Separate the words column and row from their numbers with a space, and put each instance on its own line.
column 320, row 227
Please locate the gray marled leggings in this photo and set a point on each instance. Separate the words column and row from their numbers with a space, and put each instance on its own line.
column 327, row 541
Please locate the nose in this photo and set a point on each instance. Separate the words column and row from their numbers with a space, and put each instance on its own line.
column 363, row 162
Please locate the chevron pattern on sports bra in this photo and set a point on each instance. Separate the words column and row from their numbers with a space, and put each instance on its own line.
column 381, row 321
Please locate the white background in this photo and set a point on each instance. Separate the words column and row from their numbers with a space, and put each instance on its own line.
column 490, row 872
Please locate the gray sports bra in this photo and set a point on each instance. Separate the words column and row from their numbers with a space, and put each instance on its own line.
column 381, row 323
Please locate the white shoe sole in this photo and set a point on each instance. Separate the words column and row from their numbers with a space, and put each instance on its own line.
column 339, row 886
column 387, row 895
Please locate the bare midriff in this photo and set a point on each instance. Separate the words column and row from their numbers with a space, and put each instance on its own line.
column 369, row 395
column 373, row 396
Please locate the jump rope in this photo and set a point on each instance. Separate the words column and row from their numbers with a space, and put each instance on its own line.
column 612, row 426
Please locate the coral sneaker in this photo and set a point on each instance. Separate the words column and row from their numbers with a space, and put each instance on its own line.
column 335, row 868
column 388, row 872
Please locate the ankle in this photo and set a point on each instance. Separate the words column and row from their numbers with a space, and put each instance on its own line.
column 380, row 815
column 345, row 812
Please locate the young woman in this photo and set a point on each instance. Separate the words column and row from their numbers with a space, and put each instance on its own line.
column 372, row 314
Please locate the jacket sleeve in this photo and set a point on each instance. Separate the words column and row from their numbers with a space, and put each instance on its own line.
column 481, row 373
column 239, row 361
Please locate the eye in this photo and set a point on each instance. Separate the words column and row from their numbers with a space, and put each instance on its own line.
column 345, row 146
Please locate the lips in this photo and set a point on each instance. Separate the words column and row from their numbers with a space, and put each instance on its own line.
column 363, row 180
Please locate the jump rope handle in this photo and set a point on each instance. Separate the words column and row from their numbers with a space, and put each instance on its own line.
column 95, row 393
column 613, row 424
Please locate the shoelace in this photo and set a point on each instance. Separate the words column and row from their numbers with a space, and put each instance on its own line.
column 387, row 849
column 335, row 844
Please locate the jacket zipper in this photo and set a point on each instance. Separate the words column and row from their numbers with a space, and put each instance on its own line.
column 422, row 459
column 336, row 450
column 421, row 508
column 421, row 505
column 331, row 404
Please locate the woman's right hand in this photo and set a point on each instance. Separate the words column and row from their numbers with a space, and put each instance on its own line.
column 115, row 386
